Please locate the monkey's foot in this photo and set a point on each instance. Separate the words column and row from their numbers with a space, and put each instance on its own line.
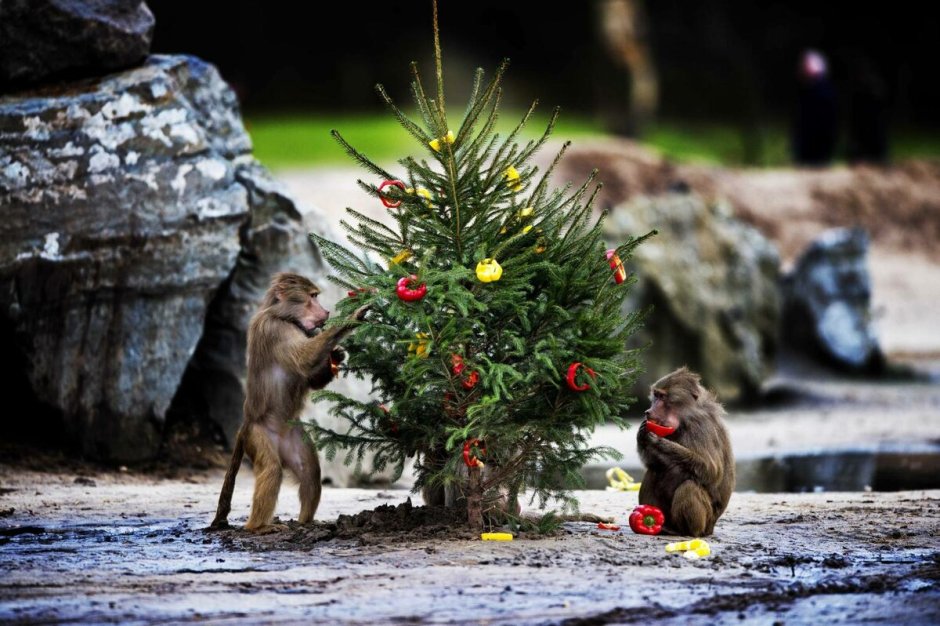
column 268, row 529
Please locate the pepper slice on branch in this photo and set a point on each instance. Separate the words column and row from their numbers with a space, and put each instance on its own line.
column 409, row 293
column 647, row 519
column 470, row 459
column 390, row 204
column 572, row 374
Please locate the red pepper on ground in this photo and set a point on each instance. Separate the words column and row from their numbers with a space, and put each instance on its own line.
column 603, row 526
column 647, row 519
column 406, row 292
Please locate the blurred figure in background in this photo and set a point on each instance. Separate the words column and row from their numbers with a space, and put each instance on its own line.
column 816, row 128
column 868, row 114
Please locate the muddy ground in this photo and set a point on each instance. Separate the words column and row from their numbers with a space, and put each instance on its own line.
column 119, row 547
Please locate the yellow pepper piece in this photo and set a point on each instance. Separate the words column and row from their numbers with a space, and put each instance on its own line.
column 621, row 481
column 693, row 549
column 526, row 229
column 404, row 255
column 512, row 178
column 420, row 347
column 488, row 271
column 526, row 212
column 421, row 191
column 496, row 536
column 436, row 143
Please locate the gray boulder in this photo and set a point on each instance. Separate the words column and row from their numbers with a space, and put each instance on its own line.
column 274, row 239
column 126, row 206
column 45, row 38
column 711, row 281
column 827, row 302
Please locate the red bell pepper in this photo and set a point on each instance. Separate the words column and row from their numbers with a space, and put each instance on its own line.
column 647, row 519
column 406, row 292
column 659, row 429
column 573, row 371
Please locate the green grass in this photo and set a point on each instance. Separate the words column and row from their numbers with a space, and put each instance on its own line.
column 297, row 140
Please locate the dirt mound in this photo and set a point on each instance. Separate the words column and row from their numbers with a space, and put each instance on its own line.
column 383, row 525
column 899, row 205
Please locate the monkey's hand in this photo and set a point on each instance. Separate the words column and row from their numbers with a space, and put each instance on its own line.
column 360, row 313
column 338, row 355
column 670, row 453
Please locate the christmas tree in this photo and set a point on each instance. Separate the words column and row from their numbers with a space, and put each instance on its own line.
column 495, row 340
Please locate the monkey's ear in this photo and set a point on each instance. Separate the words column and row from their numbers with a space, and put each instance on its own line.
column 695, row 394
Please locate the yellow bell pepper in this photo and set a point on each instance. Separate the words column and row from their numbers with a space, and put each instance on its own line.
column 489, row 271
column 512, row 178
column 420, row 347
column 404, row 255
column 437, row 143
column 693, row 549
column 421, row 191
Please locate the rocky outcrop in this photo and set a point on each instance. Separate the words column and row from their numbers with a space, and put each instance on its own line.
column 49, row 38
column 274, row 239
column 711, row 283
column 126, row 205
column 827, row 302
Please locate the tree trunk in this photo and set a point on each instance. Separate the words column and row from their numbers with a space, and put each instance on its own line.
column 475, row 499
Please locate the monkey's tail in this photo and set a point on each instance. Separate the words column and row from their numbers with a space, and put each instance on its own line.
column 225, row 497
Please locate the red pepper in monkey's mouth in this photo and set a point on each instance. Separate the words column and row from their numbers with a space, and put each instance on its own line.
column 659, row 430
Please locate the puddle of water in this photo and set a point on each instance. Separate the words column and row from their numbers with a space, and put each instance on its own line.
column 882, row 468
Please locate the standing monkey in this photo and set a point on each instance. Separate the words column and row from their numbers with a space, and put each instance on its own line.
column 285, row 359
column 690, row 471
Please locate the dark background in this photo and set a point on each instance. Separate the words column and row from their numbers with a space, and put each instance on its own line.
column 717, row 60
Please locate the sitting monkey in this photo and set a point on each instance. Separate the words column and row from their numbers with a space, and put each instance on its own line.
column 285, row 360
column 689, row 472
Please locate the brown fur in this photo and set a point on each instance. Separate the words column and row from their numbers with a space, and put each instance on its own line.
column 284, row 360
column 690, row 473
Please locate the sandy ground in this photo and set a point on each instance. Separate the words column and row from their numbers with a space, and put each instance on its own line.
column 105, row 548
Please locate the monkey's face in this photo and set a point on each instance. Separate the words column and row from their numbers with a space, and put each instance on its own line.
column 661, row 411
column 312, row 314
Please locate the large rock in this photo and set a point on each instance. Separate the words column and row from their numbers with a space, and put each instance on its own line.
column 45, row 38
column 827, row 302
column 122, row 203
column 712, row 284
column 274, row 239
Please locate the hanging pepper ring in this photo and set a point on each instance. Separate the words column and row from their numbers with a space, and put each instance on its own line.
column 573, row 372
column 620, row 273
column 391, row 204
column 473, row 461
column 406, row 292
